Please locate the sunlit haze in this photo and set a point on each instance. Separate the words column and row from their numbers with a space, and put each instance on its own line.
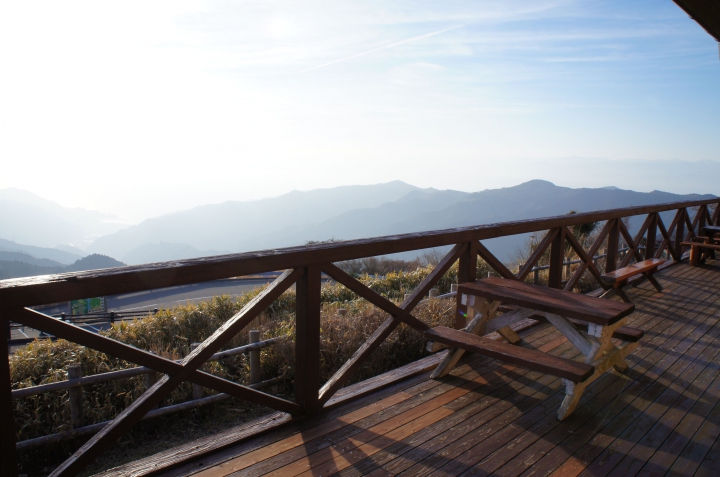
column 143, row 108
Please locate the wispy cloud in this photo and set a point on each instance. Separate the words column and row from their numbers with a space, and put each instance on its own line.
column 391, row 45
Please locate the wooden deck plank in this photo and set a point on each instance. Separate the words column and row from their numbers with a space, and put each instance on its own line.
column 675, row 445
column 665, row 423
column 492, row 418
column 495, row 391
column 466, row 377
column 535, row 391
column 699, row 457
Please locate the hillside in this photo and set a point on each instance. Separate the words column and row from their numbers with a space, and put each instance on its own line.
column 64, row 257
column 22, row 265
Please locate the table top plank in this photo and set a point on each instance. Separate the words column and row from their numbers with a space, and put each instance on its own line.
column 572, row 305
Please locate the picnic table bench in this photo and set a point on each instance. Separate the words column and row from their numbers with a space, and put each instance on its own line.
column 589, row 323
column 701, row 250
column 617, row 279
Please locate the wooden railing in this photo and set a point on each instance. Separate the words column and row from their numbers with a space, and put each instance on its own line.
column 303, row 268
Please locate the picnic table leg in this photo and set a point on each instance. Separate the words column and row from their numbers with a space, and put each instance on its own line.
column 623, row 295
column 654, row 282
column 483, row 311
column 599, row 351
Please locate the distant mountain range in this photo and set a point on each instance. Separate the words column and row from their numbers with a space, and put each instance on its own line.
column 242, row 226
column 346, row 213
column 27, row 218
column 18, row 264
column 361, row 211
column 64, row 255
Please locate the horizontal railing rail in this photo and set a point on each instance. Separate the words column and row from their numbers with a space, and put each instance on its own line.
column 304, row 268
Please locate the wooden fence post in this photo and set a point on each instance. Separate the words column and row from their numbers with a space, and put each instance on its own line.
column 77, row 415
column 680, row 233
column 8, row 438
column 254, row 358
column 307, row 340
column 198, row 392
column 650, row 238
column 612, row 247
column 557, row 257
column 702, row 210
column 467, row 272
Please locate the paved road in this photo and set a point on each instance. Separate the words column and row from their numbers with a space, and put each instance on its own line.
column 172, row 296
column 159, row 298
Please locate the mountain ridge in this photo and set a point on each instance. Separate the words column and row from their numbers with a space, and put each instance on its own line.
column 414, row 210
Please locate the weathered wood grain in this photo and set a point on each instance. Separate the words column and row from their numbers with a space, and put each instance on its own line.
column 583, row 307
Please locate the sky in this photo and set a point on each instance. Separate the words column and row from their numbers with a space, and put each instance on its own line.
column 141, row 108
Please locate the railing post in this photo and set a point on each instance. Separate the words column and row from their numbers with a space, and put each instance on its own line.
column 307, row 340
column 77, row 416
column 680, row 233
column 702, row 210
column 612, row 247
column 254, row 358
column 650, row 238
column 198, row 392
column 557, row 257
column 536, row 275
column 8, row 438
column 467, row 272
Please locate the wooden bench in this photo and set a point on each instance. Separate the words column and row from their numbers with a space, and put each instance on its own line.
column 589, row 323
column 527, row 358
column 617, row 279
column 696, row 251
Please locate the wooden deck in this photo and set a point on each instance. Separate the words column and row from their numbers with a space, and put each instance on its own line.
column 492, row 418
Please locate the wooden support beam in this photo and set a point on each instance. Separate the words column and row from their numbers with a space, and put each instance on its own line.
column 587, row 259
column 307, row 340
column 492, row 260
column 8, row 437
column 536, row 254
column 715, row 215
column 109, row 346
column 679, row 233
column 347, row 370
column 591, row 253
column 701, row 218
column 633, row 243
column 651, row 236
column 557, row 257
column 165, row 385
column 612, row 246
column 375, row 298
column 467, row 272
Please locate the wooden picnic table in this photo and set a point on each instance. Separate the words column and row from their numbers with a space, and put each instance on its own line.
column 710, row 231
column 589, row 323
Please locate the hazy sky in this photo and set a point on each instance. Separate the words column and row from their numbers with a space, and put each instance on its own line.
column 140, row 108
